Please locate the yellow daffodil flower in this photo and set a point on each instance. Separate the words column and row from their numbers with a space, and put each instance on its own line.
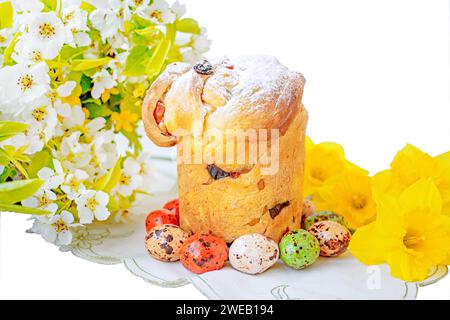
column 350, row 195
column 124, row 120
column 410, row 232
column 323, row 161
column 410, row 165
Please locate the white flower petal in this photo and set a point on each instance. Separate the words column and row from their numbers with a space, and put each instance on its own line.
column 66, row 89
column 102, row 198
column 101, row 213
column 67, row 217
column 64, row 238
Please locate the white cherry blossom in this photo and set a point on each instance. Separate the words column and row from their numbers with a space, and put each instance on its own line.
column 158, row 12
column 42, row 199
column 73, row 184
column 102, row 80
column 52, row 178
column 57, row 228
column 130, row 179
column 92, row 204
column 22, row 84
column 46, row 31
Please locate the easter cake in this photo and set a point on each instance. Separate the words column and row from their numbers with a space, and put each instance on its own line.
column 243, row 194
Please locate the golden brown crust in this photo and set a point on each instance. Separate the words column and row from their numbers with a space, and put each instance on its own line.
column 249, row 92
column 153, row 129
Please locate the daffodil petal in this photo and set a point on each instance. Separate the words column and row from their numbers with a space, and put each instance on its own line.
column 389, row 213
column 422, row 195
column 411, row 164
column 408, row 267
column 385, row 182
column 308, row 142
column 365, row 247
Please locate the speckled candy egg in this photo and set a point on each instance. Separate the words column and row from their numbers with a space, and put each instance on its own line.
column 174, row 207
column 299, row 249
column 163, row 242
column 322, row 216
column 333, row 237
column 160, row 217
column 201, row 253
column 253, row 253
column 308, row 208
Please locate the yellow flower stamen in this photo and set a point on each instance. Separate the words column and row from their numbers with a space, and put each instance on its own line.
column 2, row 39
column 25, row 82
column 43, row 201
column 39, row 113
column 36, row 56
column 60, row 226
column 73, row 184
column 91, row 203
column 156, row 14
column 46, row 30
column 124, row 179
column 67, row 17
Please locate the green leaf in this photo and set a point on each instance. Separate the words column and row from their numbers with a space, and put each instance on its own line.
column 5, row 174
column 9, row 129
column 113, row 206
column 85, row 83
column 86, row 64
column 158, row 58
column 136, row 61
column 87, row 7
column 38, row 161
column 14, row 161
column 50, row 5
column 69, row 53
column 140, row 22
column 110, row 180
column 6, row 15
column 22, row 209
column 96, row 110
column 10, row 49
column 15, row 191
column 188, row 25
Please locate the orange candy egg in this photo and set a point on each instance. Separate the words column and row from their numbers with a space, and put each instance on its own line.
column 160, row 217
column 201, row 253
column 174, row 207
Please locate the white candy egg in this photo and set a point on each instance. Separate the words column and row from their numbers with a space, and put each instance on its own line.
column 253, row 253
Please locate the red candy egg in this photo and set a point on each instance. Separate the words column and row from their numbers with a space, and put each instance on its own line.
column 201, row 253
column 173, row 206
column 159, row 217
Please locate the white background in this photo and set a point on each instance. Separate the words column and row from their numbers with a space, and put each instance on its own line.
column 377, row 77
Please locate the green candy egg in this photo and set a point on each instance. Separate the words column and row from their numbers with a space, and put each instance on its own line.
column 299, row 249
column 323, row 216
